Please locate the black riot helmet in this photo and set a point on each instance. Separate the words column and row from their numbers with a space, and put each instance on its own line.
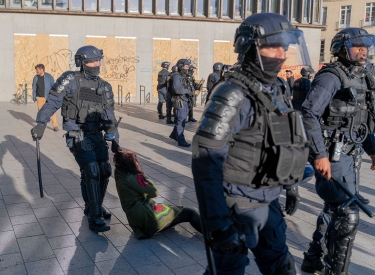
column 348, row 38
column 305, row 72
column 218, row 66
column 87, row 54
column 165, row 65
column 260, row 31
column 174, row 69
column 181, row 63
column 192, row 68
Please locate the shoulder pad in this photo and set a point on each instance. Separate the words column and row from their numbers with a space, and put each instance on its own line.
column 62, row 83
column 220, row 113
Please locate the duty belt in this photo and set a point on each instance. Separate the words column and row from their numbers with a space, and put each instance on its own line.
column 346, row 149
column 243, row 202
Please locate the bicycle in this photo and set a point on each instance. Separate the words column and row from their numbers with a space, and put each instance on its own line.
column 19, row 98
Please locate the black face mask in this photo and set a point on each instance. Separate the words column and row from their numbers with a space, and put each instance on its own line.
column 92, row 71
column 251, row 64
column 184, row 71
column 272, row 65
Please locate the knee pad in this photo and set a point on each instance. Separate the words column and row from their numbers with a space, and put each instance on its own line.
column 341, row 234
column 348, row 221
column 105, row 170
column 91, row 171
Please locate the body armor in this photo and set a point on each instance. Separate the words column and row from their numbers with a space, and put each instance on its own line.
column 272, row 150
column 348, row 108
column 162, row 79
column 86, row 106
column 300, row 88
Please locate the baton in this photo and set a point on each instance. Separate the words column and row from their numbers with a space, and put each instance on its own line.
column 39, row 169
column 209, row 252
column 352, row 198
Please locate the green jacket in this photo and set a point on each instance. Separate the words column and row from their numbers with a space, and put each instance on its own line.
column 145, row 216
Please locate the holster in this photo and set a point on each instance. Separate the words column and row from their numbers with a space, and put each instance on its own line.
column 81, row 143
column 177, row 102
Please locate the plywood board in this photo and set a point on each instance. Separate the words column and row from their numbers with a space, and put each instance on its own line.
column 119, row 64
column 172, row 50
column 224, row 52
column 51, row 51
column 161, row 52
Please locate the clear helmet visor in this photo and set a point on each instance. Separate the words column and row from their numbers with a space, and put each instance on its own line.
column 282, row 50
column 359, row 48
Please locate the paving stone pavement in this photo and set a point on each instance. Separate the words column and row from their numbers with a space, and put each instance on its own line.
column 50, row 235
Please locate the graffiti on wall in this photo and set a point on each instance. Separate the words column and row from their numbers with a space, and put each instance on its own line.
column 56, row 63
column 115, row 69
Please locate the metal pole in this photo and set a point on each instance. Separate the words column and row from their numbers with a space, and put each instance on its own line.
column 25, row 93
column 118, row 95
column 39, row 168
column 144, row 96
column 140, row 95
column 121, row 96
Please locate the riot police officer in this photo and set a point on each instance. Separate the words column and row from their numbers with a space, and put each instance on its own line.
column 87, row 108
column 168, row 102
column 338, row 116
column 162, row 87
column 239, row 148
column 180, row 98
column 193, row 86
column 300, row 88
column 213, row 77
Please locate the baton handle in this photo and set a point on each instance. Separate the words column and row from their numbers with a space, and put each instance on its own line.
column 209, row 252
column 39, row 168
column 352, row 198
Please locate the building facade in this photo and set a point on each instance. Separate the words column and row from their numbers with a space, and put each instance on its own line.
column 135, row 35
column 337, row 15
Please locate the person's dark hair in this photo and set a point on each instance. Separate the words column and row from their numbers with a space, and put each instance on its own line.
column 40, row 66
column 127, row 162
column 289, row 71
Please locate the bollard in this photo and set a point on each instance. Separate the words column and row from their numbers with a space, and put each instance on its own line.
column 25, row 93
column 142, row 88
column 118, row 94
column 127, row 98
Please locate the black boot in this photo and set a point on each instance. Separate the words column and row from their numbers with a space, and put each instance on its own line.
column 313, row 259
column 96, row 222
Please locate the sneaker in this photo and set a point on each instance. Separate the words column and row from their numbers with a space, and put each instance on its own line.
column 184, row 144
column 161, row 117
column 192, row 120
column 170, row 122
column 56, row 129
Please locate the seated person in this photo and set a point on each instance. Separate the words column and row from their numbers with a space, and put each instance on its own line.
column 145, row 216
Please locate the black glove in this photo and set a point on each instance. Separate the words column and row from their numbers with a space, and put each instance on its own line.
column 115, row 147
column 228, row 240
column 37, row 132
column 292, row 200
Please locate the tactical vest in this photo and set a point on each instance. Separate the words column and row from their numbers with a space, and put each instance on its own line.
column 273, row 149
column 348, row 107
column 162, row 80
column 300, row 88
column 86, row 106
